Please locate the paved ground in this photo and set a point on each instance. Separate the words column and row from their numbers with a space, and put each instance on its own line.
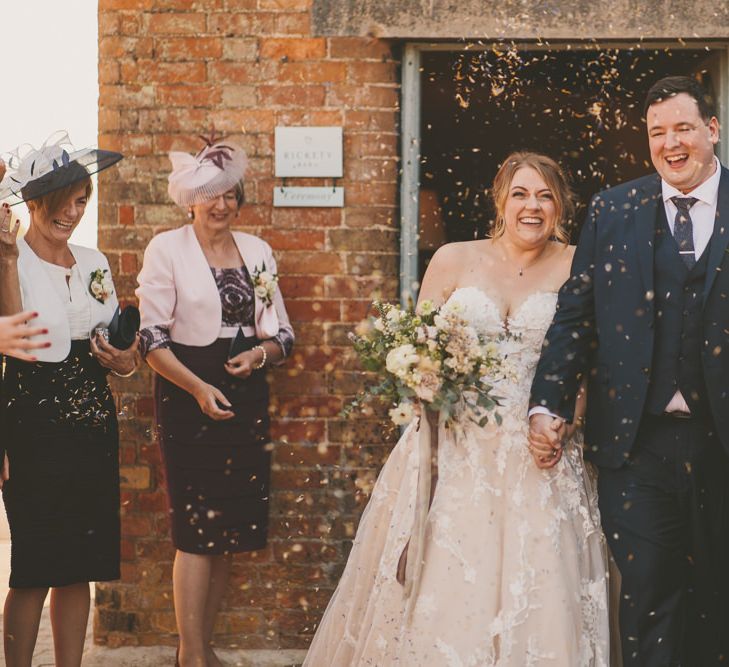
column 43, row 656
column 98, row 656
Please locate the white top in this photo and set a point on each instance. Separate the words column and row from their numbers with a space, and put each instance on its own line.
column 70, row 289
column 39, row 293
column 703, row 212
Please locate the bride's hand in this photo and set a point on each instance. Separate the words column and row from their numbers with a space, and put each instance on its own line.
column 546, row 435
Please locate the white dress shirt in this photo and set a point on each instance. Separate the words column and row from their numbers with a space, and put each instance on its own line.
column 71, row 290
column 703, row 214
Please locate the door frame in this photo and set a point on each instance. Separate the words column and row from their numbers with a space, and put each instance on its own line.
column 411, row 117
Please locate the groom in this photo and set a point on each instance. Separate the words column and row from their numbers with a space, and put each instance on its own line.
column 645, row 315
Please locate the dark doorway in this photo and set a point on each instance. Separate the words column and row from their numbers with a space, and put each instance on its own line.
column 581, row 107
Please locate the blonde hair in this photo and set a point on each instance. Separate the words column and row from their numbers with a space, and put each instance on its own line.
column 52, row 201
column 553, row 176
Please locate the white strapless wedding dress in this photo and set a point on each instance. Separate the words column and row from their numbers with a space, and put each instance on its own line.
column 514, row 564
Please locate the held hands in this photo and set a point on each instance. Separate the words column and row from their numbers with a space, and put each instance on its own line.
column 8, row 234
column 210, row 398
column 14, row 335
column 122, row 362
column 546, row 435
column 243, row 364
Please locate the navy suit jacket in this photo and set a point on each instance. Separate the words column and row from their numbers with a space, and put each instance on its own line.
column 604, row 324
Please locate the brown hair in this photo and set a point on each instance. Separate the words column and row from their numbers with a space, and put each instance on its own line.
column 51, row 201
column 671, row 86
column 553, row 176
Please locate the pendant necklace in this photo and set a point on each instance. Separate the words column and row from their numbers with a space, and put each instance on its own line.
column 532, row 263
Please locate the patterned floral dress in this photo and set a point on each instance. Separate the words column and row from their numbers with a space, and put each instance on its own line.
column 217, row 472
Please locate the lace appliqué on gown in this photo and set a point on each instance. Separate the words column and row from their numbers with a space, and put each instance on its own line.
column 514, row 568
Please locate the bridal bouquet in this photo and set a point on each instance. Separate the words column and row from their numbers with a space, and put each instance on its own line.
column 433, row 355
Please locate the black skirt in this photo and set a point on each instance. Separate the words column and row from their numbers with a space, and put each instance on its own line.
column 62, row 498
column 217, row 472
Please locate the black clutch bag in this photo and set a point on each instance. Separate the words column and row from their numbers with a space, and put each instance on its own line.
column 123, row 327
column 241, row 343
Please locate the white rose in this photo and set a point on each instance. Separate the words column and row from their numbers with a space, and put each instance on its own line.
column 379, row 324
column 402, row 414
column 440, row 322
column 265, row 277
column 400, row 359
column 261, row 291
column 96, row 289
column 394, row 315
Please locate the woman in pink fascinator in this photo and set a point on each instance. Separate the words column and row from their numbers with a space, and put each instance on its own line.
column 212, row 319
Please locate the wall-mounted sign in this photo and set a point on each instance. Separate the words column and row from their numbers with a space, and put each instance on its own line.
column 309, row 151
column 319, row 197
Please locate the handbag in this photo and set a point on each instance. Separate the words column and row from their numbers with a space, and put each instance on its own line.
column 241, row 343
column 123, row 327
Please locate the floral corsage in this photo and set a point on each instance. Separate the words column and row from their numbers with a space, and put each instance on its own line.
column 100, row 286
column 264, row 284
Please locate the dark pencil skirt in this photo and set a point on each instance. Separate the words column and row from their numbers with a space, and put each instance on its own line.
column 218, row 472
column 62, row 498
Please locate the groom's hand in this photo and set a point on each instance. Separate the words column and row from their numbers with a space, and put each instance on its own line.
column 545, row 439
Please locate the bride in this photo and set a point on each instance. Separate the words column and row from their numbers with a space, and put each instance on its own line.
column 514, row 567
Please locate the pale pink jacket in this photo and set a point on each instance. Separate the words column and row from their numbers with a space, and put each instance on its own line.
column 177, row 290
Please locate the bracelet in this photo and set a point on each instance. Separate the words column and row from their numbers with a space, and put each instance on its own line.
column 125, row 375
column 262, row 363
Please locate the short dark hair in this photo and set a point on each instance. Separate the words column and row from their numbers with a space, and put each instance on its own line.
column 674, row 85
column 76, row 174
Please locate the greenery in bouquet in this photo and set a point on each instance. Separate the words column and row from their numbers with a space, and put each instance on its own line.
column 432, row 356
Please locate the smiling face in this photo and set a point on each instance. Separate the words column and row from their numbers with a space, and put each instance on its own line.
column 681, row 141
column 217, row 214
column 530, row 212
column 56, row 224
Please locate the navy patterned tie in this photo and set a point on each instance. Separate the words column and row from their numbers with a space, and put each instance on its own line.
column 683, row 229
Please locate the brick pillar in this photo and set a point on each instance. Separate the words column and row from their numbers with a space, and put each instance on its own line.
column 168, row 69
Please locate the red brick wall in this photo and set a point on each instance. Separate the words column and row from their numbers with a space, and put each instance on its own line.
column 168, row 69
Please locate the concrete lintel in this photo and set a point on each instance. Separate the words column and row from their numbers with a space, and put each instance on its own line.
column 516, row 19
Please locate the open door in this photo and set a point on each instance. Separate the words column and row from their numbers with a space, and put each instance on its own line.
column 581, row 106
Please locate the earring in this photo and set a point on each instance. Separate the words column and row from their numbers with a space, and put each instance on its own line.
column 190, row 214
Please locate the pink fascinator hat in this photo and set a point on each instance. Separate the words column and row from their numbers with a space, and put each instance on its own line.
column 217, row 168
